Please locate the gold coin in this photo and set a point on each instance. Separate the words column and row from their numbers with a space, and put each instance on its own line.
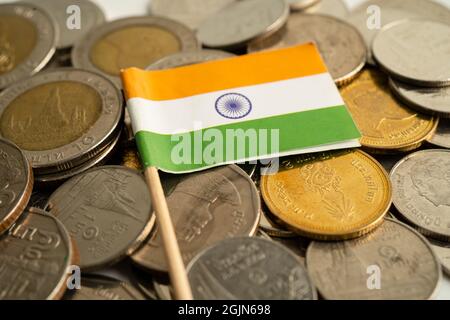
column 51, row 115
column 329, row 196
column 385, row 123
column 126, row 48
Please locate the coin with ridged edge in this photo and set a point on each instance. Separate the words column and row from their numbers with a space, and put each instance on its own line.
column 107, row 212
column 249, row 269
column 61, row 118
column 28, row 38
column 421, row 186
column 329, row 196
column 131, row 42
column 385, row 123
column 406, row 265
column 35, row 258
column 16, row 183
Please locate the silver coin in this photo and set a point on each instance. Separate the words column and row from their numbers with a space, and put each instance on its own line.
column 421, row 188
column 243, row 21
column 415, row 51
column 340, row 44
column 434, row 101
column 35, row 257
column 189, row 12
column 163, row 290
column 335, row 8
column 107, row 212
column 393, row 10
column 27, row 41
column 100, row 159
column 271, row 228
column 16, row 183
column 249, row 269
column 131, row 42
column 400, row 258
column 442, row 250
column 188, row 58
column 441, row 137
column 297, row 245
column 61, row 118
column 66, row 13
column 206, row 208
column 94, row 287
column 301, row 4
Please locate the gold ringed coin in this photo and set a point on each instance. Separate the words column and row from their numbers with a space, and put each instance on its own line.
column 329, row 196
column 131, row 42
column 385, row 123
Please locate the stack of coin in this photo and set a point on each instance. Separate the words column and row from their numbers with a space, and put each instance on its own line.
column 61, row 119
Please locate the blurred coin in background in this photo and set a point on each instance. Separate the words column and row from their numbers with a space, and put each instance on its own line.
column 441, row 137
column 393, row 10
column 339, row 43
column 75, row 18
column 131, row 42
column 28, row 38
column 189, row 12
column 415, row 51
column 242, row 22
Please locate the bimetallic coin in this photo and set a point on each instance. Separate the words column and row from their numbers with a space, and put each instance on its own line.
column 393, row 262
column 329, row 196
column 189, row 12
column 104, row 288
column 60, row 118
column 65, row 13
column 441, row 137
column 188, row 58
column 16, row 184
column 421, row 185
column 385, row 123
column 301, row 4
column 243, row 21
column 131, row 42
column 249, row 269
column 365, row 17
column 434, row 101
column 415, row 51
column 206, row 208
column 107, row 212
column 335, row 8
column 442, row 250
column 339, row 43
column 100, row 159
column 35, row 257
column 27, row 41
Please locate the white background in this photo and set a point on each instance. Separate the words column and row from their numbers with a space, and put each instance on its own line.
column 115, row 9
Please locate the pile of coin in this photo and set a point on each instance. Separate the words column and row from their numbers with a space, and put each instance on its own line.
column 369, row 223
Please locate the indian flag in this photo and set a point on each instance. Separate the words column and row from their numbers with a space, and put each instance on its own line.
column 257, row 106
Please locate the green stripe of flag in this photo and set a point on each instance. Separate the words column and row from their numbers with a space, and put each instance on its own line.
column 296, row 131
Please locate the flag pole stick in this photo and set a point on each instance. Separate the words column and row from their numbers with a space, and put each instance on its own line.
column 177, row 271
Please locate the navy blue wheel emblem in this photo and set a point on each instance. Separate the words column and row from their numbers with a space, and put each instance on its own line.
column 233, row 106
